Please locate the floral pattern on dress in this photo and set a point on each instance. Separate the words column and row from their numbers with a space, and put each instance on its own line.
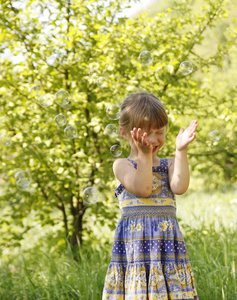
column 134, row 227
column 149, row 258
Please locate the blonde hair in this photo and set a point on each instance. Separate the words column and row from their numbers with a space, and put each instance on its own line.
column 142, row 110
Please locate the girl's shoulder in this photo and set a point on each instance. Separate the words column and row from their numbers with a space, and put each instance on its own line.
column 120, row 162
column 122, row 166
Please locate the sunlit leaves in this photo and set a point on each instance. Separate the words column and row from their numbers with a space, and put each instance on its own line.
column 71, row 44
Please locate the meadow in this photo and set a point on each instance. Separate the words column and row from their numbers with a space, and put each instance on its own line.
column 208, row 222
column 68, row 45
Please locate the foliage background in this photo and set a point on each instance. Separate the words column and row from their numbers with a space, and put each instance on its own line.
column 68, row 45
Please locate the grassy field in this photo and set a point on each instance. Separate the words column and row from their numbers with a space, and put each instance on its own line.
column 208, row 222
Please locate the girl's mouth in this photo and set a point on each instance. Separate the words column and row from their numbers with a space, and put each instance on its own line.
column 154, row 149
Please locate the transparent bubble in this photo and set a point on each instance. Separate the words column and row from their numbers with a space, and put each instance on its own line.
column 111, row 130
column 145, row 57
column 36, row 91
column 115, row 150
column 60, row 58
column 62, row 97
column 113, row 112
column 57, row 58
column 186, row 67
column 215, row 135
column 70, row 132
column 23, row 184
column 60, row 120
column 5, row 140
column 45, row 100
column 102, row 82
column 91, row 195
column 23, row 180
column 23, row 22
column 24, row 175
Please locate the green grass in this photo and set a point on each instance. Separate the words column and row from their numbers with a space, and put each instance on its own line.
column 208, row 223
column 213, row 257
column 39, row 275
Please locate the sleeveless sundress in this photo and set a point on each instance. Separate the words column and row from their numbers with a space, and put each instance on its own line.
column 149, row 258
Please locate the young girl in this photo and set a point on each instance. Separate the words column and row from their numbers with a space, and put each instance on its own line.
column 149, row 257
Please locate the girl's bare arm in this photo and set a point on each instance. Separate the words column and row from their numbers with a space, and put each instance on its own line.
column 137, row 181
column 179, row 169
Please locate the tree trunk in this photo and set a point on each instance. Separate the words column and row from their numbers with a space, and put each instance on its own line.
column 77, row 229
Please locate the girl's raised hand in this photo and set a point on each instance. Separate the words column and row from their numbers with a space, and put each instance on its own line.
column 186, row 136
column 140, row 140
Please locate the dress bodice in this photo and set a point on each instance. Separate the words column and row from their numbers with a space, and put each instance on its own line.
column 161, row 197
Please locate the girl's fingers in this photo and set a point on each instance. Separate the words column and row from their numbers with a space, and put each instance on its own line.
column 134, row 133
column 144, row 138
column 148, row 143
column 140, row 138
column 139, row 134
column 191, row 128
column 193, row 125
column 181, row 130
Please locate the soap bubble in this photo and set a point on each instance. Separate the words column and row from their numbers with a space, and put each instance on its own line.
column 23, row 180
column 111, row 130
column 102, row 82
column 60, row 58
column 115, row 150
column 70, row 132
column 91, row 195
column 60, row 120
column 22, row 185
column 36, row 91
column 57, row 58
column 145, row 57
column 215, row 135
column 113, row 112
column 24, row 175
column 62, row 97
column 23, row 22
column 5, row 140
column 45, row 100
column 186, row 67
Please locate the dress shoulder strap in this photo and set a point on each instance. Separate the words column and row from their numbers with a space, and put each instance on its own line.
column 163, row 162
column 133, row 162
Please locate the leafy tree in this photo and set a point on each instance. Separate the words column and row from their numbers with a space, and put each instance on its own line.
column 70, row 45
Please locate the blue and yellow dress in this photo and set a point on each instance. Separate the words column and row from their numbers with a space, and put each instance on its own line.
column 149, row 258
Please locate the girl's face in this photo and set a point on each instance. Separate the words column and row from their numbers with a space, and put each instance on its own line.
column 157, row 138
